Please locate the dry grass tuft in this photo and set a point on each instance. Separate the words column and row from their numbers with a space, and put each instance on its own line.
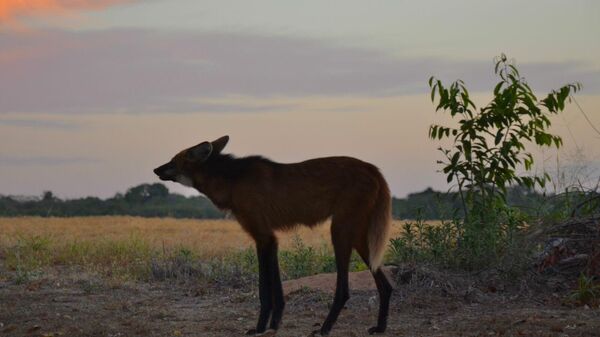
column 206, row 238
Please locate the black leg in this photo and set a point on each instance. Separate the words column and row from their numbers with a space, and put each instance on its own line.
column 277, row 291
column 342, row 292
column 264, row 251
column 385, row 291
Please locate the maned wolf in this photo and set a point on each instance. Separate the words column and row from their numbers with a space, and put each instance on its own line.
column 265, row 196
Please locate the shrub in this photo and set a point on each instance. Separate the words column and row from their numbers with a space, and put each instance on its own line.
column 487, row 149
column 586, row 293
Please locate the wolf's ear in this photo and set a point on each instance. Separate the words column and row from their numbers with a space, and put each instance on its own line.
column 200, row 152
column 219, row 144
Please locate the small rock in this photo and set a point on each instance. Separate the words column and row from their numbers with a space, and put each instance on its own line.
column 34, row 328
column 474, row 295
column 556, row 328
column 373, row 303
column 9, row 328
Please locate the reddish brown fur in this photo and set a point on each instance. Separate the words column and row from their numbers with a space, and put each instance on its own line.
column 266, row 196
column 271, row 196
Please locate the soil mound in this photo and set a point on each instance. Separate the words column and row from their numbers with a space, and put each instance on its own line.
column 362, row 280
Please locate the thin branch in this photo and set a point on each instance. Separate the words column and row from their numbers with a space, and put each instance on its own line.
column 585, row 115
column 581, row 204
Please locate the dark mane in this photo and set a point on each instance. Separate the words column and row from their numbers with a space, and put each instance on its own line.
column 230, row 167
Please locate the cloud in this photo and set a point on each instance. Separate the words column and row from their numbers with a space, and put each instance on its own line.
column 144, row 71
column 244, row 105
column 40, row 123
column 12, row 10
column 12, row 160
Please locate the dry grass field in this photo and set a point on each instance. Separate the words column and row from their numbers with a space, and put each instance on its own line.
column 204, row 237
column 97, row 276
column 150, row 248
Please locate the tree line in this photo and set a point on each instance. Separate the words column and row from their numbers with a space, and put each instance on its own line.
column 145, row 200
column 155, row 200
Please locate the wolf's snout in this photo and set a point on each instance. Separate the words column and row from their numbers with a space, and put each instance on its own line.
column 159, row 171
column 165, row 172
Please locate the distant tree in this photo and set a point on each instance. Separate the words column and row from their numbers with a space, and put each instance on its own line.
column 48, row 196
column 138, row 193
column 158, row 191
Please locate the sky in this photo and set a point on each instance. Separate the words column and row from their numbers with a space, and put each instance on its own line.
column 96, row 93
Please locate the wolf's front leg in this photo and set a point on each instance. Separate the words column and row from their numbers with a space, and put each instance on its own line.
column 264, row 250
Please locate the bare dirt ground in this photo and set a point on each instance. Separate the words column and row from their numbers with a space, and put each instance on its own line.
column 71, row 303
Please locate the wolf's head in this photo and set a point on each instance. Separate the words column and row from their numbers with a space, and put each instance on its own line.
column 186, row 167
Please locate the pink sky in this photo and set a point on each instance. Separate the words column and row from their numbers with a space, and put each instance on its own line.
column 94, row 94
column 12, row 9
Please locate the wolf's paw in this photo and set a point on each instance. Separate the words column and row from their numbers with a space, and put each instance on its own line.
column 266, row 333
column 376, row 330
column 318, row 333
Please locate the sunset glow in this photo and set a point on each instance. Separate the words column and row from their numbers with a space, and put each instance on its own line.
column 12, row 10
column 94, row 94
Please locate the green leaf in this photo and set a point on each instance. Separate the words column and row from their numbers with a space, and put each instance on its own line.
column 455, row 158
column 498, row 138
column 497, row 88
column 433, row 131
column 467, row 146
column 557, row 141
column 514, row 69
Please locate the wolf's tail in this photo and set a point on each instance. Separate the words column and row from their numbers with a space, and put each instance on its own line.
column 379, row 227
